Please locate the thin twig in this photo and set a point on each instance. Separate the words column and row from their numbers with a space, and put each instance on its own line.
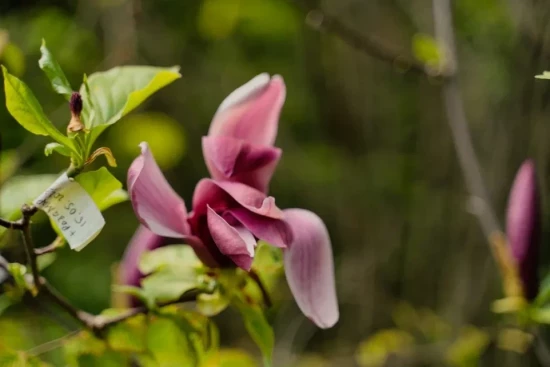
column 265, row 294
column 28, row 212
column 456, row 117
column 102, row 322
column 10, row 224
column 52, row 247
column 370, row 45
column 51, row 345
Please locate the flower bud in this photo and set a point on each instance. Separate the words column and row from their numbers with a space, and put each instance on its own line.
column 523, row 227
column 75, row 104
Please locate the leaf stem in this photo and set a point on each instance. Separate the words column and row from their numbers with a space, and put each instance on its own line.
column 265, row 294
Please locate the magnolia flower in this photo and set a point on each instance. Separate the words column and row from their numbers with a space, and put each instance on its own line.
column 239, row 145
column 523, row 227
column 231, row 211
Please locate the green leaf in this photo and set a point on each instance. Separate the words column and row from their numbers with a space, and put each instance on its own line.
column 116, row 92
column 426, row 49
column 258, row 328
column 128, row 336
column 169, row 284
column 103, row 187
column 56, row 147
column 9, row 162
column 544, row 75
column 177, row 256
column 25, row 108
column 374, row 350
column 168, row 344
column 543, row 296
column 173, row 269
column 21, row 190
column 230, row 358
column 54, row 72
column 212, row 304
column 45, row 260
column 84, row 343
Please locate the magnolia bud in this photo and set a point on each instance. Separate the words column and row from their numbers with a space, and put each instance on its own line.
column 75, row 104
column 523, row 227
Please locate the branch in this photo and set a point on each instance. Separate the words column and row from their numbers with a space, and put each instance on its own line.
column 52, row 247
column 103, row 322
column 28, row 212
column 10, row 225
column 370, row 45
column 456, row 117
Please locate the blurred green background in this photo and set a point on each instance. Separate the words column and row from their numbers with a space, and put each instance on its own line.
column 366, row 146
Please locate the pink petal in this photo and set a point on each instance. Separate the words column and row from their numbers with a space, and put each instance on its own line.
column 523, row 227
column 233, row 241
column 276, row 232
column 236, row 160
column 251, row 112
column 155, row 203
column 309, row 268
column 142, row 241
column 218, row 194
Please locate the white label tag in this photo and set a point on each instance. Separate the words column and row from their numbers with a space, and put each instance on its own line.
column 73, row 210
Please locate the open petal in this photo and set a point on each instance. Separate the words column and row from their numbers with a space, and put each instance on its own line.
column 155, row 203
column 276, row 232
column 235, row 242
column 217, row 194
column 309, row 268
column 251, row 112
column 236, row 160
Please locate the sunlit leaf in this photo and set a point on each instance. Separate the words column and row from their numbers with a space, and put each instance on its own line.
column 373, row 351
column 426, row 50
column 128, row 336
column 116, row 92
column 258, row 328
column 169, row 284
column 544, row 75
column 212, row 304
column 468, row 347
column 45, row 260
column 25, row 108
column 102, row 186
column 230, row 358
column 9, row 162
column 168, row 344
column 21, row 190
column 54, row 72
column 179, row 256
column 514, row 340
column 84, row 343
column 56, row 147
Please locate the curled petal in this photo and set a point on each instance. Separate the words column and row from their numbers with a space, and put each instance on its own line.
column 309, row 268
column 236, row 160
column 233, row 241
column 218, row 194
column 276, row 232
column 523, row 226
column 155, row 203
column 251, row 112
